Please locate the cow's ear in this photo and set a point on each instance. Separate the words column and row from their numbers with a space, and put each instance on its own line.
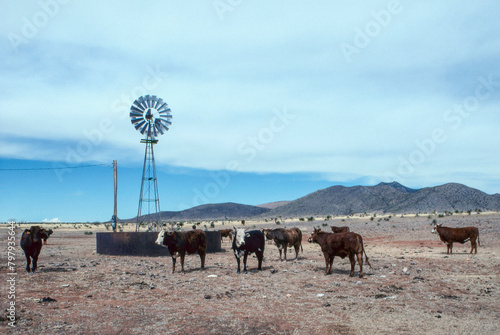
column 247, row 235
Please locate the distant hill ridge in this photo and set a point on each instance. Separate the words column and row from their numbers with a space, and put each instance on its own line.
column 340, row 200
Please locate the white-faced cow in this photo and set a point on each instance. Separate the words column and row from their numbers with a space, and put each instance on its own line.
column 247, row 242
column 342, row 245
column 461, row 235
column 179, row 243
column 285, row 237
column 339, row 230
column 31, row 243
column 46, row 234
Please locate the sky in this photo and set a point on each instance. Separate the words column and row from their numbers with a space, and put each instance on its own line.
column 270, row 100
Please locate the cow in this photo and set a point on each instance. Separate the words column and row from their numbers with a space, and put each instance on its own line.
column 247, row 242
column 31, row 243
column 226, row 233
column 347, row 244
column 46, row 234
column 179, row 243
column 339, row 230
column 285, row 237
column 461, row 235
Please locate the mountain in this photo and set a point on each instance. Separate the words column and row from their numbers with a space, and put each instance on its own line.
column 388, row 198
column 273, row 205
column 339, row 200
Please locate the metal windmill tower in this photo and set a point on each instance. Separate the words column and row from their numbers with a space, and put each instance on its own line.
column 152, row 117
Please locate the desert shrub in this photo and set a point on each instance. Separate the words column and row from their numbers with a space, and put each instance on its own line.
column 310, row 219
column 324, row 224
column 301, row 219
column 88, row 233
column 212, row 225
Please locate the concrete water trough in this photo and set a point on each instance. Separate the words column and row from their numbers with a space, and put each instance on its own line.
column 143, row 244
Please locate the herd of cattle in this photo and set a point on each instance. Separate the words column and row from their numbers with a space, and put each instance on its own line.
column 341, row 242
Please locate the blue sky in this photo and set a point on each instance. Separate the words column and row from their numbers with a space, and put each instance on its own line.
column 284, row 98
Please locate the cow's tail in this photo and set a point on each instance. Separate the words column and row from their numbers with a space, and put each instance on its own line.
column 478, row 242
column 366, row 257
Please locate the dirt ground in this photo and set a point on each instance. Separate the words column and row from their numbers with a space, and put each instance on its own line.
column 414, row 287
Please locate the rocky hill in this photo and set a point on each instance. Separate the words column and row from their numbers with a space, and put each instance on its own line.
column 339, row 200
column 388, row 198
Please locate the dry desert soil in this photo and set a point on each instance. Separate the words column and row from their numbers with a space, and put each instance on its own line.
column 413, row 288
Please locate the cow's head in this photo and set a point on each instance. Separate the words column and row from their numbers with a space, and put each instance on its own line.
column 314, row 236
column 436, row 226
column 35, row 233
column 160, row 238
column 267, row 234
column 239, row 236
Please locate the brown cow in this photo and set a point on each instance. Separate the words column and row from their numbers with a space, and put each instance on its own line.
column 283, row 238
column 226, row 233
column 461, row 235
column 338, row 230
column 178, row 243
column 348, row 244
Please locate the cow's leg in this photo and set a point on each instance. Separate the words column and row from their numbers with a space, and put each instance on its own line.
column 202, row 257
column 331, row 264
column 35, row 260
column 279, row 248
column 28, row 263
column 238, row 260
column 173, row 263
column 284, row 250
column 353, row 263
column 450, row 247
column 360, row 262
column 297, row 251
column 183, row 255
column 327, row 262
column 260, row 256
column 473, row 245
column 245, row 256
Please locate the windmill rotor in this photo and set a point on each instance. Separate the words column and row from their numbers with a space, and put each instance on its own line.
column 150, row 115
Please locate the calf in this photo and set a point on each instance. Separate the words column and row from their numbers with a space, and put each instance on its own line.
column 46, row 234
column 226, row 233
column 338, row 230
column 283, row 238
column 461, row 235
column 178, row 243
column 31, row 243
column 347, row 244
column 247, row 242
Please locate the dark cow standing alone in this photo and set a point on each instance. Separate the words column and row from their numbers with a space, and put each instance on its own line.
column 342, row 245
column 31, row 243
column 180, row 243
column 461, row 235
column 339, row 230
column 247, row 242
column 226, row 233
column 285, row 237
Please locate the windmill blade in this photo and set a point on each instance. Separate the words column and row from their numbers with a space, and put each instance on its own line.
column 163, row 106
column 147, row 99
column 154, row 99
column 159, row 101
column 142, row 102
column 139, row 125
column 138, row 106
column 155, row 133
column 165, row 124
column 144, row 128
column 135, row 114
column 137, row 119
column 159, row 126
column 136, row 109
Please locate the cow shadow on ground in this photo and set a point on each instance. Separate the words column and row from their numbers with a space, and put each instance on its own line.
column 55, row 269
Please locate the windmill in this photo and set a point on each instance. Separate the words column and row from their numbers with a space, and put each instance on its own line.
column 152, row 117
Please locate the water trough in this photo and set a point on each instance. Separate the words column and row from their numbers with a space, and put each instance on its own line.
column 143, row 244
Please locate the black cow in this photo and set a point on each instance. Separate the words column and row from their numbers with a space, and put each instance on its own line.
column 247, row 242
column 178, row 243
column 31, row 243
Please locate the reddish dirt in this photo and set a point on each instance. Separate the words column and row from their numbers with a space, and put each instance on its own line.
column 414, row 287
